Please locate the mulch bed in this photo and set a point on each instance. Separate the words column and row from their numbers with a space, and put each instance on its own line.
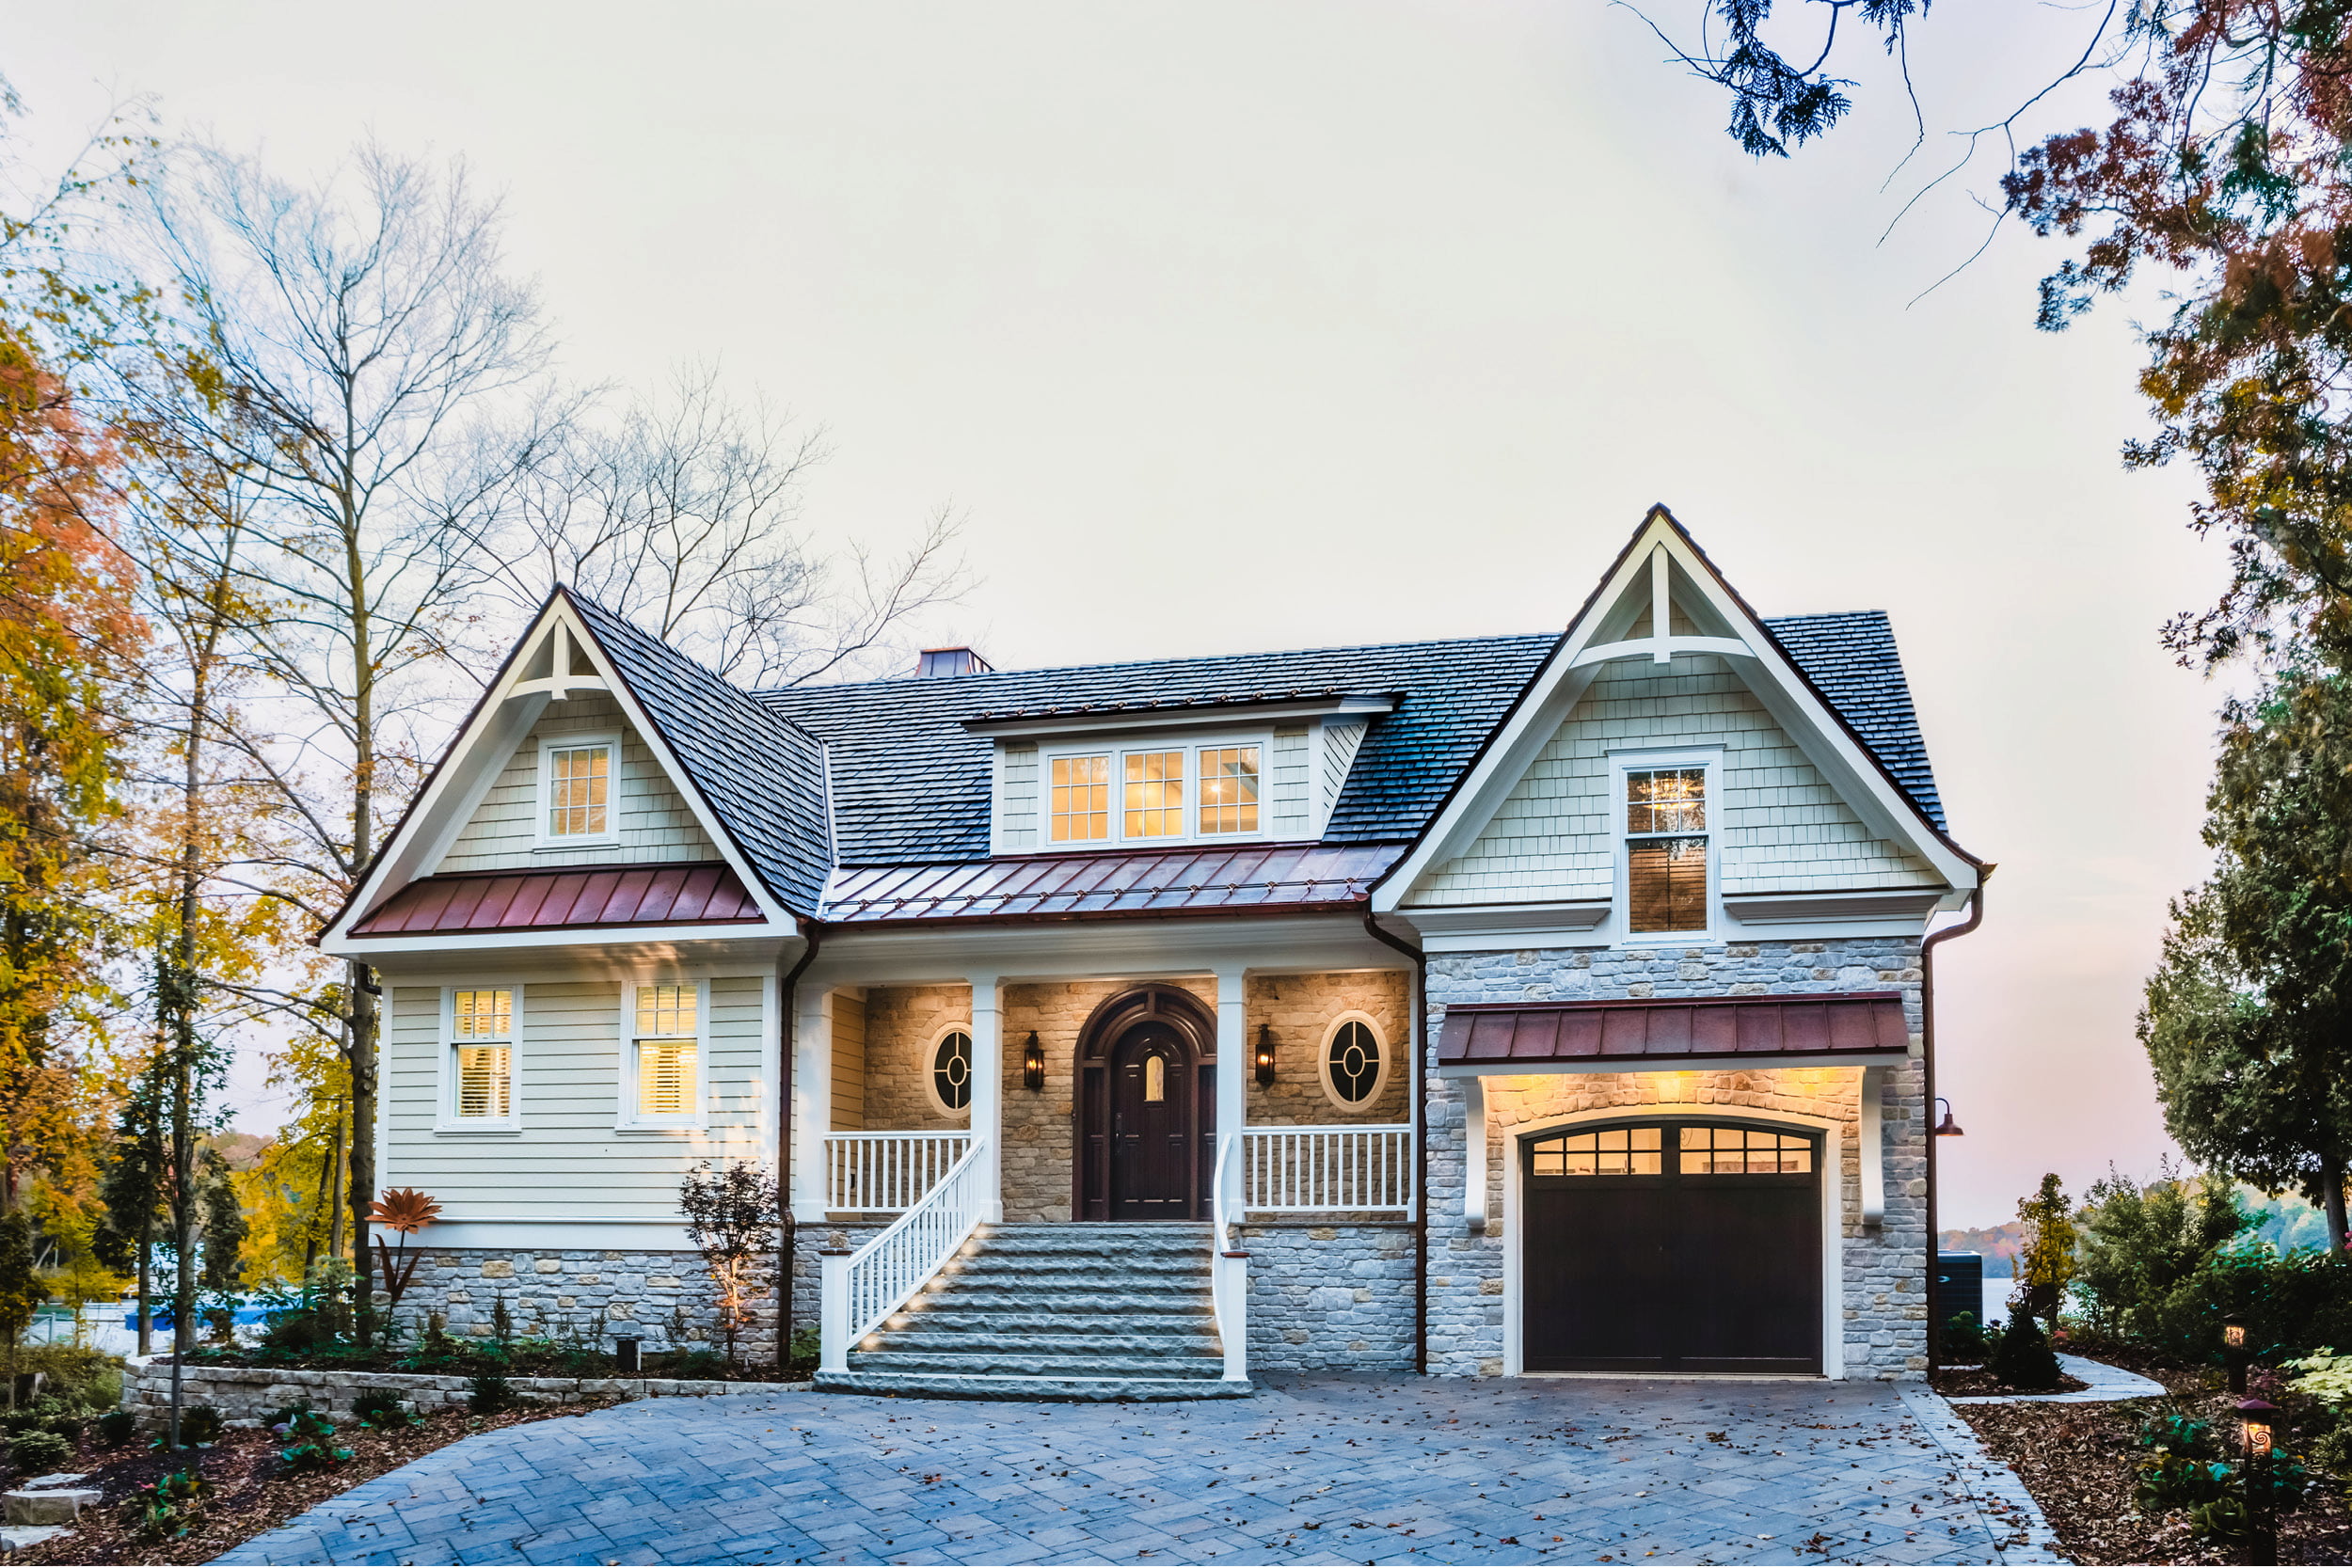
column 2081, row 1461
column 1976, row 1380
column 522, row 1361
column 253, row 1489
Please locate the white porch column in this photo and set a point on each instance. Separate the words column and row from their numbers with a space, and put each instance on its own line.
column 1232, row 1057
column 1473, row 1151
column 988, row 1089
column 1873, row 1137
column 812, row 1100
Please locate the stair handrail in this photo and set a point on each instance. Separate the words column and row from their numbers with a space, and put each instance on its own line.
column 859, row 1289
column 1228, row 1266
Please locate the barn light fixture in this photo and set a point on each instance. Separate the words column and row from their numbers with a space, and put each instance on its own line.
column 1265, row 1060
column 1033, row 1064
column 1947, row 1128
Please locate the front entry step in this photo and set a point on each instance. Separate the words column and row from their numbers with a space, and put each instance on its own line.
column 1081, row 1312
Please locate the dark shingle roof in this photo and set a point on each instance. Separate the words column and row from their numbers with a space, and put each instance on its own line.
column 763, row 776
column 1852, row 658
column 911, row 785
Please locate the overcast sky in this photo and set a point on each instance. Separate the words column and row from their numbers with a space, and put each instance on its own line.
column 1241, row 327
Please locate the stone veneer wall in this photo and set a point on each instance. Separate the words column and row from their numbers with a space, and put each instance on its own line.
column 1330, row 1297
column 1301, row 1008
column 1885, row 1272
column 662, row 1297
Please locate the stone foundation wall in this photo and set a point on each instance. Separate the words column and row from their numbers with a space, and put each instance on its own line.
column 1884, row 1271
column 1331, row 1297
column 665, row 1298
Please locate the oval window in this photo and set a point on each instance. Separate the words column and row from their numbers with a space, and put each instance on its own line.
column 951, row 1070
column 1352, row 1062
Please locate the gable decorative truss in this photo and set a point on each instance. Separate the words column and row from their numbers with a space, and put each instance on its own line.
column 1659, row 581
column 569, row 651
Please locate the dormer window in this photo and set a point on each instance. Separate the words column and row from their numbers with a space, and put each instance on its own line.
column 578, row 790
column 1166, row 793
column 1668, row 845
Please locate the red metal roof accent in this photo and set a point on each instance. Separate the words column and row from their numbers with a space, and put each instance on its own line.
column 1226, row 880
column 699, row 893
column 1521, row 1032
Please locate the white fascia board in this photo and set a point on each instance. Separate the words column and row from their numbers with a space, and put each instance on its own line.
column 1639, row 1065
column 1567, row 674
column 1205, row 716
column 642, row 962
column 1098, row 950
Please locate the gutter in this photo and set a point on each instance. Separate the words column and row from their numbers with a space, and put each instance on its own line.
column 787, row 1230
column 1927, row 1042
column 1421, row 1137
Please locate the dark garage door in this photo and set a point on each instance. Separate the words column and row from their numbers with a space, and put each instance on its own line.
column 1672, row 1247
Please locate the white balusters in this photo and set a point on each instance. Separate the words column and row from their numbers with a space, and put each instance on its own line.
column 1323, row 1168
column 887, row 1173
column 864, row 1288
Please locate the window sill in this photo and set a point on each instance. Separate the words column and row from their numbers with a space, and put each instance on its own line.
column 659, row 1127
column 476, row 1130
column 554, row 846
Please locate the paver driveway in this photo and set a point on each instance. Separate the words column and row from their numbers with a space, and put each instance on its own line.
column 1342, row 1469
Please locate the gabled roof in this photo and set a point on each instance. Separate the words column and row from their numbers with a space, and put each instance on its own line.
column 762, row 775
column 1851, row 659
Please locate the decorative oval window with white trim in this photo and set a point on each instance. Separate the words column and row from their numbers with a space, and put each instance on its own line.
column 1355, row 1061
column 948, row 1074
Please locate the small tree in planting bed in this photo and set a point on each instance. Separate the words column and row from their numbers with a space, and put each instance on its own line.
column 731, row 1217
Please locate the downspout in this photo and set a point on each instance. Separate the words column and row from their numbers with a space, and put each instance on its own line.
column 1927, row 1052
column 1421, row 1139
column 787, row 1230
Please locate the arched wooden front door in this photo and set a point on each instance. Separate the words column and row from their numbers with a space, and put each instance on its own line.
column 1146, row 1108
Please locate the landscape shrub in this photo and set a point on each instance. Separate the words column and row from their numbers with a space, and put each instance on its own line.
column 311, row 1442
column 807, row 1344
column 167, row 1508
column 491, row 1393
column 2024, row 1358
column 2181, row 1434
column 384, row 1410
column 2168, row 1480
column 2324, row 1378
column 79, row 1375
column 118, row 1427
column 36, row 1452
column 2138, row 1245
column 201, row 1423
column 2292, row 1306
column 2332, row 1452
column 1960, row 1340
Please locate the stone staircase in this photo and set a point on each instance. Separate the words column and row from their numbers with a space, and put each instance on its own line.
column 1054, row 1312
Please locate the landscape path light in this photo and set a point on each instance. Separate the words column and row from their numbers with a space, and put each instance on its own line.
column 2255, row 1417
column 2233, row 1351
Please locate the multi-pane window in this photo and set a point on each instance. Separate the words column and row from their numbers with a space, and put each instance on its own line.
column 951, row 1070
column 1613, row 1152
column 666, row 1044
column 1082, row 798
column 483, row 1027
column 1743, row 1152
column 580, row 791
column 1228, row 789
column 1665, row 849
column 1155, row 794
column 1352, row 1062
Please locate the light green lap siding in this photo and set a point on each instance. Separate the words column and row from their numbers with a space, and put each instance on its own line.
column 654, row 820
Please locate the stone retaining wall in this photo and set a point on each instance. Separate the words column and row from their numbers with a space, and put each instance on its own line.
column 663, row 1298
column 245, row 1393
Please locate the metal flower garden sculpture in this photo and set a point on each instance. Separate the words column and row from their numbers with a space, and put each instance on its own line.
column 406, row 1211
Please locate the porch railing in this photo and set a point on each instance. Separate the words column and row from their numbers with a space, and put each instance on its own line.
column 859, row 1289
column 887, row 1173
column 1299, row 1168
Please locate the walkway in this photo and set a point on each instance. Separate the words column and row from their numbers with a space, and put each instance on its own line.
column 1351, row 1469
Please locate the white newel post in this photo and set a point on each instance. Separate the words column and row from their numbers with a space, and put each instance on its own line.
column 1229, row 1271
column 812, row 1102
column 988, row 1089
column 832, row 1305
column 1473, row 1152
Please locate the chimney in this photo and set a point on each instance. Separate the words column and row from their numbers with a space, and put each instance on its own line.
column 938, row 663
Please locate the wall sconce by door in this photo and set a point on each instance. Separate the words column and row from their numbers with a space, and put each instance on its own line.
column 1264, row 1058
column 1032, row 1065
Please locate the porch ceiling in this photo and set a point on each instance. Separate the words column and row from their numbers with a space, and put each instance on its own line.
column 1658, row 1036
column 1226, row 879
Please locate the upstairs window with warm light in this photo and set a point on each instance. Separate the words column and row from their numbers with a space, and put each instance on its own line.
column 1666, row 849
column 1164, row 794
column 1155, row 795
column 1228, row 789
column 578, row 790
column 1082, row 798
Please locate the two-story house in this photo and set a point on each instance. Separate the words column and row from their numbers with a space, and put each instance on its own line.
column 1490, row 1007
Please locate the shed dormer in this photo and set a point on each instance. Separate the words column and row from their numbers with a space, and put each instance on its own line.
column 1266, row 768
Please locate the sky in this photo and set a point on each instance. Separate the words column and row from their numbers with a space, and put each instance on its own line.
column 1230, row 327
